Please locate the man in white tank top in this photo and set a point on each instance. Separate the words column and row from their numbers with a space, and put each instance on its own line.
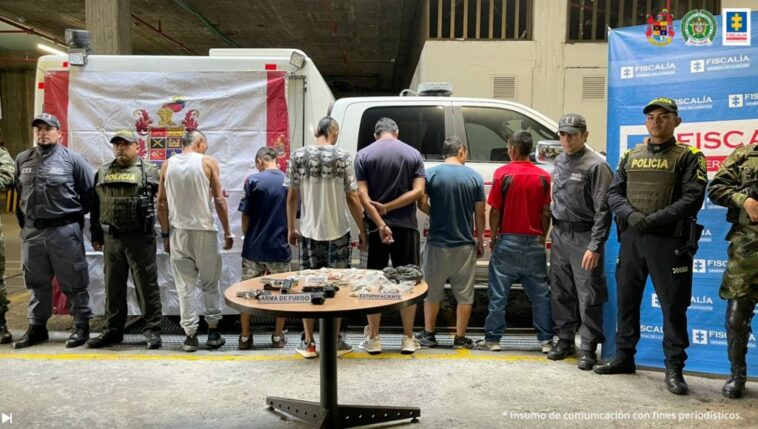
column 189, row 181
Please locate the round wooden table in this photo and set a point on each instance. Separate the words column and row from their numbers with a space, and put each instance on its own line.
column 327, row 413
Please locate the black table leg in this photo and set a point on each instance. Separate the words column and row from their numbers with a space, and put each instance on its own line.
column 329, row 405
column 328, row 414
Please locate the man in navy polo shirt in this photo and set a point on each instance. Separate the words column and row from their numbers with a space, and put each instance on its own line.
column 264, row 223
column 391, row 178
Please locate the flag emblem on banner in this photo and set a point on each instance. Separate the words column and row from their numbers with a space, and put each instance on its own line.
column 736, row 25
column 736, row 100
column 699, row 336
column 660, row 28
column 698, row 28
column 161, row 141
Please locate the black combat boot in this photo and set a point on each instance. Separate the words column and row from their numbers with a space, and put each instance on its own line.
column 79, row 337
column 34, row 335
column 675, row 380
column 5, row 336
column 562, row 349
column 108, row 338
column 617, row 365
column 739, row 313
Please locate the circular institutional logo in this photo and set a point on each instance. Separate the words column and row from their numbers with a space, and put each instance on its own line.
column 698, row 28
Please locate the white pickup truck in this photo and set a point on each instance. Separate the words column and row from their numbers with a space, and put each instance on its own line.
column 425, row 121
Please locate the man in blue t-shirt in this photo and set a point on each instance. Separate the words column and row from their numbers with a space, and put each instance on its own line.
column 264, row 223
column 454, row 200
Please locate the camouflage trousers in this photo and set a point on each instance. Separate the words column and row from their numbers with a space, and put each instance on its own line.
column 315, row 254
column 253, row 269
column 3, row 290
column 741, row 276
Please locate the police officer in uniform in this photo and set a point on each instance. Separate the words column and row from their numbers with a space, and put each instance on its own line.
column 122, row 222
column 54, row 185
column 581, row 221
column 736, row 188
column 656, row 193
column 7, row 171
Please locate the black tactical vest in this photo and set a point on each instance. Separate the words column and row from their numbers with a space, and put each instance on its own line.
column 118, row 189
column 652, row 178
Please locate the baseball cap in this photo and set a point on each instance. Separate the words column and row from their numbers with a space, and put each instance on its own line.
column 572, row 123
column 662, row 102
column 47, row 119
column 124, row 135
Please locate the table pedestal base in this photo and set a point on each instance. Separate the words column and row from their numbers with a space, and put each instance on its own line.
column 349, row 415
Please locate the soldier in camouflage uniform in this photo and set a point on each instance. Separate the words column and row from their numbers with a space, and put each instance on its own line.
column 7, row 172
column 736, row 188
column 122, row 222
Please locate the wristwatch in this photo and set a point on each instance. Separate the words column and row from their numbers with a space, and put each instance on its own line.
column 164, row 234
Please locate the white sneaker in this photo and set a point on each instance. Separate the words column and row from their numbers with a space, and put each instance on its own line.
column 409, row 345
column 373, row 346
column 488, row 345
column 547, row 345
column 343, row 348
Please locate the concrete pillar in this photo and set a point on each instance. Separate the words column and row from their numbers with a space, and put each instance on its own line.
column 109, row 23
column 547, row 76
column 17, row 88
column 738, row 3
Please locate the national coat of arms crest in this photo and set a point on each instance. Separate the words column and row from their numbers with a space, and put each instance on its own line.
column 158, row 142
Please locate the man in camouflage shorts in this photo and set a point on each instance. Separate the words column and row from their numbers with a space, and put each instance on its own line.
column 321, row 177
column 735, row 187
column 7, row 172
column 264, row 223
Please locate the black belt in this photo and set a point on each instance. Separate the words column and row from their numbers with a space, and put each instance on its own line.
column 54, row 223
column 573, row 226
column 115, row 232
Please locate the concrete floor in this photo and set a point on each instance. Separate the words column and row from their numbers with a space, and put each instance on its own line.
column 47, row 386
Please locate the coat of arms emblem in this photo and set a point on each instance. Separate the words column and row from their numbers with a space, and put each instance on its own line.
column 698, row 28
column 660, row 28
column 158, row 142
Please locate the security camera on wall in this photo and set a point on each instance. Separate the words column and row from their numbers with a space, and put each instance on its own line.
column 78, row 42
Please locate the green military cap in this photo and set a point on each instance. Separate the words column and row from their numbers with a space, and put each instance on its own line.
column 661, row 102
column 125, row 135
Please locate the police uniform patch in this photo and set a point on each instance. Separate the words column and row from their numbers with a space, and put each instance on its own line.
column 702, row 168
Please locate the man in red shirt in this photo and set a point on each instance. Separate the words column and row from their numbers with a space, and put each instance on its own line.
column 519, row 219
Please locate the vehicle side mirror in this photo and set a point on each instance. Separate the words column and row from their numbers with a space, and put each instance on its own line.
column 548, row 150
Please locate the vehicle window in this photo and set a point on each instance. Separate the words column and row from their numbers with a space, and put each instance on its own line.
column 488, row 130
column 422, row 127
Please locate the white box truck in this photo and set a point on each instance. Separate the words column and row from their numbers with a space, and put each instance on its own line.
column 243, row 99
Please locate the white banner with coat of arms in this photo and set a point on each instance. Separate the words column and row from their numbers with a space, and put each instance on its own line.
column 230, row 108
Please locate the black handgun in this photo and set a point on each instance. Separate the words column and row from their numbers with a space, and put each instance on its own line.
column 317, row 298
column 690, row 248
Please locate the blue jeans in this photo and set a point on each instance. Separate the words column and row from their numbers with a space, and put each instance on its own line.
column 518, row 258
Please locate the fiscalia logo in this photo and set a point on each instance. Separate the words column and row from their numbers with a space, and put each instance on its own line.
column 717, row 139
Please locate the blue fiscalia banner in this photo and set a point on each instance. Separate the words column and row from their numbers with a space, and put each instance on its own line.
column 716, row 89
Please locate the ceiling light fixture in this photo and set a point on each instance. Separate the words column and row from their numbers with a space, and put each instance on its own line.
column 50, row 50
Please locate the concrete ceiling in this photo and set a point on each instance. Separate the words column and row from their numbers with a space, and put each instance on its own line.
column 360, row 46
